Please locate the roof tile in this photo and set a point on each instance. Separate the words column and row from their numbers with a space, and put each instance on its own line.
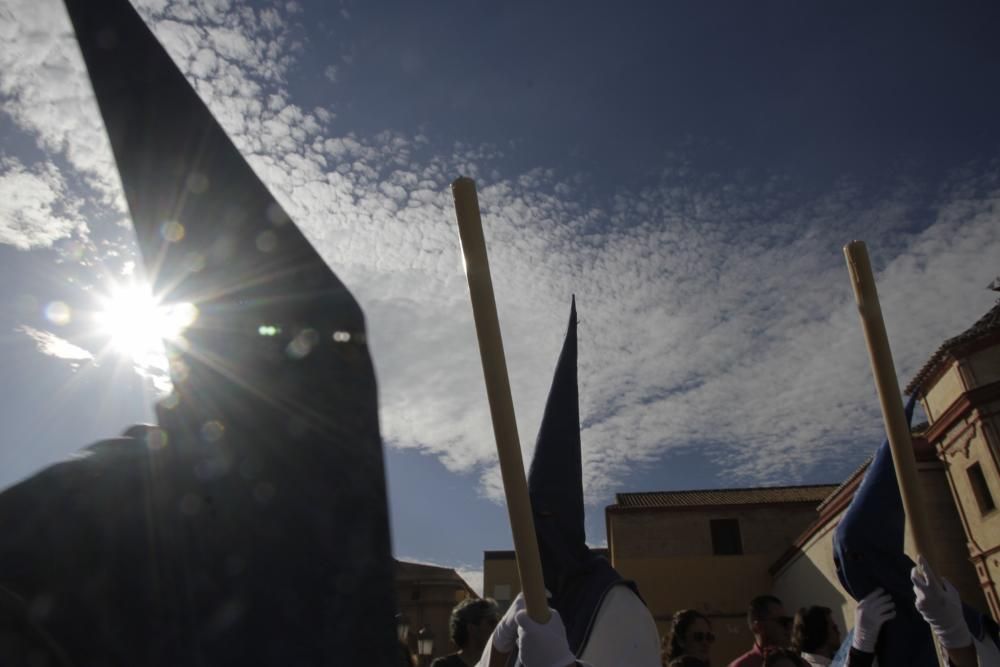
column 986, row 325
column 703, row 497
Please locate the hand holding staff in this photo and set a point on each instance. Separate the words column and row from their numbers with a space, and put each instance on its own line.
column 484, row 311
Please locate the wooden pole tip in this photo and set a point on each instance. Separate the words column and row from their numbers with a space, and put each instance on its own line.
column 462, row 182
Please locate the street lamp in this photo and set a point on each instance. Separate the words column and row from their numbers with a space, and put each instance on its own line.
column 402, row 627
column 425, row 643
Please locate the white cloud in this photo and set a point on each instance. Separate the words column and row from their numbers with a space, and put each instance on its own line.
column 715, row 311
column 151, row 7
column 46, row 92
column 52, row 345
column 157, row 377
column 35, row 210
column 697, row 330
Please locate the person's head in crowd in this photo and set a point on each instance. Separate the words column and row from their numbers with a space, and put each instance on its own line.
column 768, row 621
column 783, row 657
column 690, row 635
column 471, row 624
column 815, row 632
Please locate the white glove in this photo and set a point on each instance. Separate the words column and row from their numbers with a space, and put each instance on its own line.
column 873, row 611
column 543, row 645
column 938, row 602
column 505, row 634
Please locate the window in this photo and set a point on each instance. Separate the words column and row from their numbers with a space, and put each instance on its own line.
column 980, row 489
column 501, row 592
column 726, row 537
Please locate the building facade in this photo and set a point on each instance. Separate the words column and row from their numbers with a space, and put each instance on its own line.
column 425, row 595
column 959, row 388
column 501, row 580
column 714, row 550
column 707, row 550
column 806, row 575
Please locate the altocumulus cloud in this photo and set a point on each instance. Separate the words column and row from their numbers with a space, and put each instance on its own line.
column 715, row 312
column 35, row 210
column 52, row 345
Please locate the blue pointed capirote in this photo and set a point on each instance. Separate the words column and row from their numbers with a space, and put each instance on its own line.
column 868, row 553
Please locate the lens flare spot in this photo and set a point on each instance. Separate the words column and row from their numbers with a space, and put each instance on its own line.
column 277, row 216
column 59, row 313
column 179, row 316
column 156, row 438
column 222, row 249
column 74, row 250
column 194, row 262
column 197, row 182
column 267, row 241
column 179, row 370
column 303, row 344
column 212, row 431
column 178, row 345
column 172, row 231
column 342, row 336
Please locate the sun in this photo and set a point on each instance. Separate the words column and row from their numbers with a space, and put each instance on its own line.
column 137, row 323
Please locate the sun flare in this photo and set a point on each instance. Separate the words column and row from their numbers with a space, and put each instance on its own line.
column 137, row 323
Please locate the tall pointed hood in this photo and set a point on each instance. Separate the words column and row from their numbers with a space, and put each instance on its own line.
column 251, row 527
column 868, row 552
column 577, row 578
column 555, row 478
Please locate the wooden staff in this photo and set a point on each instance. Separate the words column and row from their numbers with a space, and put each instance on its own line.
column 893, row 415
column 484, row 311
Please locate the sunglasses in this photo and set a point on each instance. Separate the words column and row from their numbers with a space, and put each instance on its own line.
column 703, row 637
column 786, row 621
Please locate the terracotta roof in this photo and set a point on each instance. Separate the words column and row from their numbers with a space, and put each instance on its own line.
column 986, row 325
column 702, row 497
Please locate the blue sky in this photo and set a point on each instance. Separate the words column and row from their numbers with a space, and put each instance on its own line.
column 689, row 170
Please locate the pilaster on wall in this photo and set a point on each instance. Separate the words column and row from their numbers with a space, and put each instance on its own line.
column 964, row 434
column 988, row 585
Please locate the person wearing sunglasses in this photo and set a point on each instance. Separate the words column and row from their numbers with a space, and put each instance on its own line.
column 815, row 635
column 771, row 628
column 689, row 641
